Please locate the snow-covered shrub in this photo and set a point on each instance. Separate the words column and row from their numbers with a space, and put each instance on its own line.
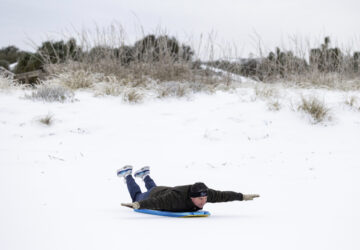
column 77, row 79
column 51, row 93
column 315, row 108
column 7, row 82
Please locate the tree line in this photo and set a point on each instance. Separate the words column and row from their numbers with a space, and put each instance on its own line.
column 280, row 64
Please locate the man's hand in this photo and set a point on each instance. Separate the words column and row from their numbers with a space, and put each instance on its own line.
column 134, row 205
column 250, row 197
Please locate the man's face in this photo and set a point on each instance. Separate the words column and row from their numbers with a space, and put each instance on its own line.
column 199, row 201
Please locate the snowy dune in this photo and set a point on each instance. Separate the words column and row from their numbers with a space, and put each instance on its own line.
column 59, row 190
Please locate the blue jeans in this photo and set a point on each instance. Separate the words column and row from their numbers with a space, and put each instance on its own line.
column 135, row 191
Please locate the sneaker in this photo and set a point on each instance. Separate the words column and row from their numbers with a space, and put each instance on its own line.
column 124, row 171
column 143, row 172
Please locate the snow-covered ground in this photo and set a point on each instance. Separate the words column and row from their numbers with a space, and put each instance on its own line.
column 59, row 189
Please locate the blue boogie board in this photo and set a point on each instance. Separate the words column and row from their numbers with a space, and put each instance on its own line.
column 200, row 213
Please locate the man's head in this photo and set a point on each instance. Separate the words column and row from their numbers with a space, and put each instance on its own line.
column 198, row 194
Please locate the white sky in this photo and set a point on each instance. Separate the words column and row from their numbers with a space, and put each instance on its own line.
column 231, row 23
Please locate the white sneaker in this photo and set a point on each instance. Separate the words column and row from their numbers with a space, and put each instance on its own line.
column 143, row 172
column 124, row 171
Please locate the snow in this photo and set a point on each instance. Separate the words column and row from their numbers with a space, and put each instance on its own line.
column 13, row 66
column 232, row 76
column 59, row 189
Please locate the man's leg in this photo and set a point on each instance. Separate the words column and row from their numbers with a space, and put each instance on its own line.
column 149, row 183
column 133, row 188
column 142, row 196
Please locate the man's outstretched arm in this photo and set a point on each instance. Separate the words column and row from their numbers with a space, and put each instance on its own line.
column 224, row 196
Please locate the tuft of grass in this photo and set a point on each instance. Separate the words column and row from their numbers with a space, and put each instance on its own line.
column 77, row 79
column 274, row 105
column 172, row 89
column 199, row 87
column 351, row 101
column 51, row 93
column 7, row 82
column 133, row 96
column 47, row 120
column 315, row 108
column 265, row 92
column 111, row 89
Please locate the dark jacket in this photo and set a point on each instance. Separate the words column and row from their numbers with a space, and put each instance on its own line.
column 177, row 199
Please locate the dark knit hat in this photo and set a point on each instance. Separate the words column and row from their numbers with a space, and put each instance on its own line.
column 198, row 189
